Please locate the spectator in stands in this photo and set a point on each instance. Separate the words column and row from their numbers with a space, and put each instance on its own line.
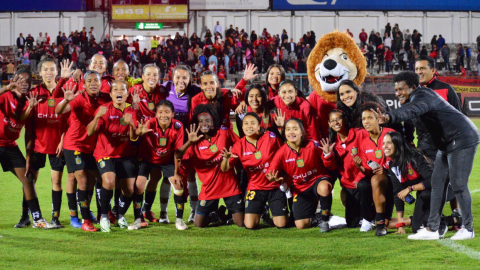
column 29, row 41
column 363, row 36
column 416, row 39
column 478, row 62
column 380, row 52
column 372, row 38
column 388, row 59
column 10, row 70
column 408, row 35
column 350, row 33
column 445, row 52
column 387, row 41
column 217, row 28
column 388, row 29
column 460, row 56
column 370, row 54
column 434, row 41
column 307, row 51
column 21, row 42
column 468, row 56
column 440, row 41
column 424, row 51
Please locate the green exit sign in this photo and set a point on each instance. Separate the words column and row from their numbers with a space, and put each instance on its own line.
column 148, row 26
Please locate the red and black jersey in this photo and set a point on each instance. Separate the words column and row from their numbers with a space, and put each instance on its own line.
column 204, row 156
column 302, row 110
column 322, row 109
column 302, row 168
column 11, row 108
column 341, row 159
column 147, row 100
column 256, row 159
column 47, row 125
column 229, row 103
column 242, row 86
column 159, row 145
column 113, row 134
column 83, row 109
column 368, row 149
column 104, row 88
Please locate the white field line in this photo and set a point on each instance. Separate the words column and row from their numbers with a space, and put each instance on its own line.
column 475, row 191
column 460, row 248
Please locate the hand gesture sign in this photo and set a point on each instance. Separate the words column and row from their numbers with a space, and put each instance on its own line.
column 227, row 154
column 326, row 146
column 142, row 128
column 32, row 100
column 102, row 111
column 273, row 176
column 135, row 98
column 280, row 118
column 68, row 92
column 14, row 85
column 193, row 134
column 382, row 118
column 249, row 73
column 66, row 69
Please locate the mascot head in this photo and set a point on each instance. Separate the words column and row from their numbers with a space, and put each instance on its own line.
column 335, row 58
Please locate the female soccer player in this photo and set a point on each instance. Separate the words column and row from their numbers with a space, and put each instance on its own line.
column 15, row 107
column 274, row 76
column 203, row 154
column 255, row 151
column 338, row 153
column 161, row 137
column 370, row 162
column 114, row 124
column 78, row 146
column 300, row 160
column 290, row 105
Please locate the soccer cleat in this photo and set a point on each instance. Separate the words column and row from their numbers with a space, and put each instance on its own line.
column 463, row 234
column 105, row 225
column 55, row 222
column 163, row 218
column 24, row 222
column 267, row 219
column 424, row 234
column 42, row 223
column 381, row 230
column 75, row 222
column 144, row 223
column 112, row 217
column 213, row 216
column 88, row 226
column 366, row 226
column 191, row 218
column 137, row 224
column 324, row 226
column 93, row 218
column 150, row 216
column 181, row 226
column 122, row 222
column 442, row 230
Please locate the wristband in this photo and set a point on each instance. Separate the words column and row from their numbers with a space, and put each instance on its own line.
column 400, row 225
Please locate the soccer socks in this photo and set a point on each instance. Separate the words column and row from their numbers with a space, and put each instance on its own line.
column 380, row 217
column 34, row 207
column 105, row 198
column 84, row 203
column 117, row 194
column 179, row 205
column 98, row 191
column 193, row 192
column 326, row 204
column 123, row 204
column 56, row 203
column 24, row 207
column 165, row 189
column 72, row 204
column 149, row 199
column 137, row 205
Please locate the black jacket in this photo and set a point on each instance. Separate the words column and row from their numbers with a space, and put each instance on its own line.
column 448, row 127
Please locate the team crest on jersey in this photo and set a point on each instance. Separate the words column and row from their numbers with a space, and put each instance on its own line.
column 78, row 160
column 378, row 153
column 258, row 155
column 151, row 106
column 102, row 164
column 51, row 102
column 213, row 148
column 203, row 203
column 177, row 125
column 122, row 122
column 410, row 171
column 163, row 141
column 300, row 163
column 354, row 151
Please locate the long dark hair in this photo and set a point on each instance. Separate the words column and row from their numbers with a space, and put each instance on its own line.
column 300, row 124
column 282, row 75
column 332, row 134
column 404, row 153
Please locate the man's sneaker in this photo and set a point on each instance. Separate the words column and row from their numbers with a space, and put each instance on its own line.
column 55, row 222
column 24, row 222
column 324, row 226
column 366, row 226
column 381, row 229
column 93, row 218
column 122, row 222
column 191, row 218
column 105, row 224
column 180, row 225
column 42, row 223
column 164, row 218
column 137, row 224
column 150, row 216
column 75, row 222
column 112, row 217
column 442, row 230
column 424, row 234
column 88, row 226
column 463, row 234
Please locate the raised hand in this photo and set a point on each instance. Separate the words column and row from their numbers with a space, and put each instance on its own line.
column 249, row 73
column 32, row 100
column 14, row 85
column 135, row 95
column 142, row 128
column 273, row 176
column 68, row 92
column 227, row 154
column 193, row 134
column 326, row 146
column 66, row 69
column 280, row 118
column 102, row 111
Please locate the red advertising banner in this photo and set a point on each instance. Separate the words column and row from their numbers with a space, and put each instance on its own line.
column 462, row 85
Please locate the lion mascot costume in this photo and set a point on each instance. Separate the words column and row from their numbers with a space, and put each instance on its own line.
column 335, row 58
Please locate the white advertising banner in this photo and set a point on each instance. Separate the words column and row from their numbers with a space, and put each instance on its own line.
column 229, row 4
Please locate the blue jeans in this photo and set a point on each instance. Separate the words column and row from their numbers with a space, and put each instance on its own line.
column 388, row 65
column 446, row 60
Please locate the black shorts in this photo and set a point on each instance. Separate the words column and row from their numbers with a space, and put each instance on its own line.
column 38, row 160
column 122, row 167
column 78, row 161
column 305, row 203
column 11, row 157
column 234, row 205
column 146, row 167
column 255, row 201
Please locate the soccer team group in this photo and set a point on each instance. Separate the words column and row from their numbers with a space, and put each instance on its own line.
column 120, row 138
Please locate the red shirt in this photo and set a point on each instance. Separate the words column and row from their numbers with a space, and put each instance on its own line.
column 302, row 110
column 159, row 145
column 371, row 150
column 256, row 159
column 230, row 103
column 48, row 125
column 204, row 157
column 113, row 134
column 83, row 109
column 342, row 159
column 10, row 128
column 148, row 101
column 322, row 109
column 303, row 168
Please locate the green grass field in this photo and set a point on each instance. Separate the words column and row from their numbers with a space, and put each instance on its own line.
column 227, row 247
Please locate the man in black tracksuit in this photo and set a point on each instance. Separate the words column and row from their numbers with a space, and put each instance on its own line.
column 456, row 139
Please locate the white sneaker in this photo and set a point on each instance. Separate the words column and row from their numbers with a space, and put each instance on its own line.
column 164, row 218
column 122, row 222
column 105, row 225
column 366, row 226
column 463, row 234
column 180, row 225
column 137, row 224
column 424, row 234
column 191, row 218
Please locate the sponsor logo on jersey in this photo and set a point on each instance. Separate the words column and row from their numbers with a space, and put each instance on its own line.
column 290, row 160
column 369, row 151
column 247, row 153
column 202, row 147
